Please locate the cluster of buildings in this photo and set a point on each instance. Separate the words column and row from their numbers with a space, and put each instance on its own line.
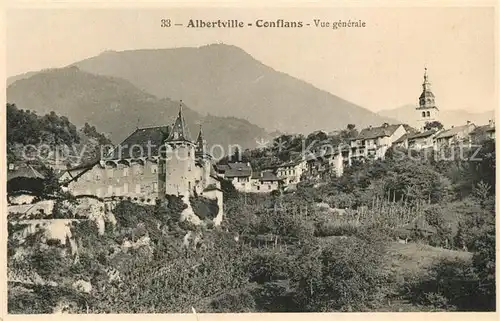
column 177, row 165
column 149, row 165
column 370, row 144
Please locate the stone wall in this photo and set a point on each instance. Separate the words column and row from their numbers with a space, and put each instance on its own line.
column 134, row 178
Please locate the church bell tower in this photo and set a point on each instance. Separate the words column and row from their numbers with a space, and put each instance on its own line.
column 426, row 111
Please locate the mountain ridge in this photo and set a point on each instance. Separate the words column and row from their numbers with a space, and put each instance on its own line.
column 448, row 117
column 224, row 80
column 117, row 107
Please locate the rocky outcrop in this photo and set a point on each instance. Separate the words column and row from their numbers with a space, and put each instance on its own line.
column 188, row 213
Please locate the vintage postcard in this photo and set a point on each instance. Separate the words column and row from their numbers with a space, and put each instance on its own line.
column 229, row 159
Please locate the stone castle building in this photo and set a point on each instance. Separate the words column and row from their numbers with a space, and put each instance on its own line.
column 427, row 110
column 148, row 165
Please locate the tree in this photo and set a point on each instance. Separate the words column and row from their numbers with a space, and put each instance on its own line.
column 433, row 125
column 346, row 275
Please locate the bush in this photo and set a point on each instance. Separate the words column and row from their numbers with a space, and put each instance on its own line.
column 267, row 267
column 204, row 208
column 449, row 285
column 241, row 301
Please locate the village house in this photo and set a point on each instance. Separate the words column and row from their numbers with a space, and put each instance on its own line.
column 291, row 172
column 483, row 132
column 456, row 135
column 417, row 141
column 238, row 173
column 327, row 161
column 246, row 180
column 373, row 142
column 265, row 182
column 148, row 165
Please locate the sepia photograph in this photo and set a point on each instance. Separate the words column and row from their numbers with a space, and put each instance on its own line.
column 250, row 160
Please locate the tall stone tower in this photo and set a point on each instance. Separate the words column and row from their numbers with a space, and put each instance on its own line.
column 426, row 111
column 203, row 157
column 178, row 160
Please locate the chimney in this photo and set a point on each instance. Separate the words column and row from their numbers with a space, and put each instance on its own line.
column 468, row 122
column 492, row 123
column 370, row 127
column 385, row 125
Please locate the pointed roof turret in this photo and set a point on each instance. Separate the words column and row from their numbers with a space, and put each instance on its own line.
column 180, row 131
column 201, row 144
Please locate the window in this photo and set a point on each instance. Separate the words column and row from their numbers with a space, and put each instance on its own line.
column 125, row 171
column 97, row 176
column 189, row 154
column 154, row 169
column 118, row 191
column 110, row 172
column 138, row 188
column 155, row 187
column 269, row 187
column 98, row 192
column 110, row 190
column 423, row 114
column 189, row 166
column 125, row 188
column 258, row 188
column 189, row 185
column 428, row 114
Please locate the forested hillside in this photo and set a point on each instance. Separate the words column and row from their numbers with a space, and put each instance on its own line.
column 47, row 134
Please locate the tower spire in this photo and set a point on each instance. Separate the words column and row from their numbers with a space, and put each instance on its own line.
column 201, row 143
column 426, row 99
column 180, row 131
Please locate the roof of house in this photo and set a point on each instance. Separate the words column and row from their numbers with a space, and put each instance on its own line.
column 136, row 145
column 483, row 128
column 83, row 168
column 410, row 129
column 238, row 169
column 24, row 171
column 401, row 139
column 424, row 134
column 452, row 131
column 290, row 163
column 376, row 132
column 265, row 176
column 221, row 168
column 211, row 187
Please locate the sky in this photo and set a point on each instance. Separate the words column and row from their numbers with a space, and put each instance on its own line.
column 377, row 67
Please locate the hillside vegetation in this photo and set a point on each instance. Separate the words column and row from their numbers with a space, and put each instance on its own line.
column 287, row 252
